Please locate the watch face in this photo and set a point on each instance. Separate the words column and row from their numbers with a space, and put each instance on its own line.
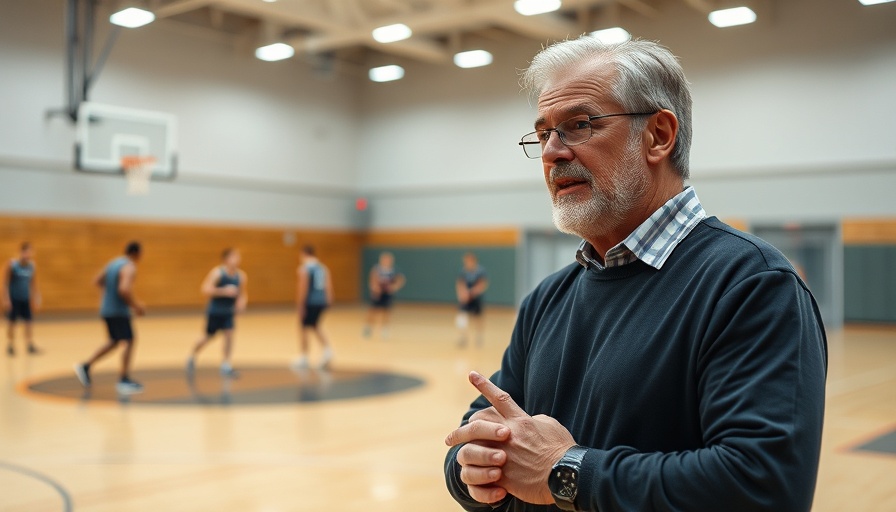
column 564, row 482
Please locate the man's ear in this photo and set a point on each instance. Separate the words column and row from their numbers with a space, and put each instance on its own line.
column 660, row 135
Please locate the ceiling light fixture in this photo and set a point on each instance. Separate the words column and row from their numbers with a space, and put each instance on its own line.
column 732, row 17
column 473, row 59
column 386, row 73
column 392, row 33
column 132, row 17
column 533, row 7
column 275, row 51
column 612, row 35
column 875, row 2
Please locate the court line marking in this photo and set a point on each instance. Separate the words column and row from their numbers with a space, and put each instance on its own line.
column 63, row 493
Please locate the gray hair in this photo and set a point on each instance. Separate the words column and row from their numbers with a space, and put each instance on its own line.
column 650, row 78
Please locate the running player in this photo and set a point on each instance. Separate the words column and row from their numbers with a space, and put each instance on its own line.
column 384, row 281
column 314, row 295
column 227, row 287
column 471, row 285
column 21, row 296
column 117, row 282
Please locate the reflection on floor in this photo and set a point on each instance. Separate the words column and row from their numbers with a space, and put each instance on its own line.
column 255, row 385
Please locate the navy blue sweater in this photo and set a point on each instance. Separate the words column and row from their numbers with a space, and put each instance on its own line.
column 697, row 387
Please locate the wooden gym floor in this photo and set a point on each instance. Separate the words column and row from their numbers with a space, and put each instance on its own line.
column 375, row 453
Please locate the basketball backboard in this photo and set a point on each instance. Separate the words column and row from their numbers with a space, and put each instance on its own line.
column 107, row 134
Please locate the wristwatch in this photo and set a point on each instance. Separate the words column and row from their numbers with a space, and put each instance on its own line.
column 564, row 479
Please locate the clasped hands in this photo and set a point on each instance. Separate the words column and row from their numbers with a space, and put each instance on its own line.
column 506, row 451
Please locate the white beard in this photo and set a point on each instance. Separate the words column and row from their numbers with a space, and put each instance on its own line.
column 600, row 213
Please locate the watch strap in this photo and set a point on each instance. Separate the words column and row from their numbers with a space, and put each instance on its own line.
column 573, row 458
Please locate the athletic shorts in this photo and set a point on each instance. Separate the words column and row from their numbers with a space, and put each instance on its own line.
column 119, row 328
column 312, row 315
column 384, row 301
column 215, row 323
column 21, row 309
column 473, row 307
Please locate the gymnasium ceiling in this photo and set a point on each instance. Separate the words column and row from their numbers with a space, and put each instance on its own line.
column 341, row 29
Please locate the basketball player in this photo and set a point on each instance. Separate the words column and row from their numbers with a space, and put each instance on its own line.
column 471, row 285
column 227, row 288
column 21, row 296
column 384, row 281
column 117, row 282
column 314, row 295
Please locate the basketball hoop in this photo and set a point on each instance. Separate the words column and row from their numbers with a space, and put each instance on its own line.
column 138, row 171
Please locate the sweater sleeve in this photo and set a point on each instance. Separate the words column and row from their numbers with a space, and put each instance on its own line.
column 760, row 376
column 510, row 379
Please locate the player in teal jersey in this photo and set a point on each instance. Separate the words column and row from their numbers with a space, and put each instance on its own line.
column 20, row 297
column 384, row 281
column 314, row 295
column 228, row 290
column 117, row 282
column 471, row 284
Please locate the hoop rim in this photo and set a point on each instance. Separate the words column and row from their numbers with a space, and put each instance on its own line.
column 129, row 162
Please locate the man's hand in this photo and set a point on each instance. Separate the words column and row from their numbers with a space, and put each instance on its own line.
column 516, row 459
column 139, row 308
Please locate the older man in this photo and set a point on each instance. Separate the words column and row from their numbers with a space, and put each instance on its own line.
column 679, row 365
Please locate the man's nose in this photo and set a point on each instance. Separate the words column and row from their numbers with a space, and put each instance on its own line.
column 554, row 149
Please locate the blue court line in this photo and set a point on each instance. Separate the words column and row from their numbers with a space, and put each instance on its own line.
column 66, row 497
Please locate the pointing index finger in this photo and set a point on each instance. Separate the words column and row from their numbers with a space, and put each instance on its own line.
column 500, row 399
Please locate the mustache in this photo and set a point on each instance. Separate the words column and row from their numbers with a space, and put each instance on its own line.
column 570, row 171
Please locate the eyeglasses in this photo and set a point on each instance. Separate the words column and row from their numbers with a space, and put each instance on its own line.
column 572, row 132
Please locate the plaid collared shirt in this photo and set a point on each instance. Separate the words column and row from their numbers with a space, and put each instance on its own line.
column 654, row 240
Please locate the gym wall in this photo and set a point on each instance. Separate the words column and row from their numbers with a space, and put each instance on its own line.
column 432, row 260
column 176, row 258
column 790, row 124
column 870, row 270
column 259, row 143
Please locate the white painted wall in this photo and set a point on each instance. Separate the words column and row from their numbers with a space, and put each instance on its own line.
column 793, row 120
column 258, row 142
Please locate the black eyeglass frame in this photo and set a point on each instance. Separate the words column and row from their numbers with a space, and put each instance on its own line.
column 560, row 134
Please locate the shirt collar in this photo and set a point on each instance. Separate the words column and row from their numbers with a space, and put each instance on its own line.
column 654, row 240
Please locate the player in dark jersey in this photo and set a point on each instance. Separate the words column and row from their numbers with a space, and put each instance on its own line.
column 117, row 282
column 20, row 297
column 384, row 282
column 228, row 290
column 314, row 294
column 471, row 284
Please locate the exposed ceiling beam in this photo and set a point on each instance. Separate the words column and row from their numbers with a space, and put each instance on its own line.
column 440, row 21
column 283, row 14
column 641, row 7
column 180, row 7
column 704, row 6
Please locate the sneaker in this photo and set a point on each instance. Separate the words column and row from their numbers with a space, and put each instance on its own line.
column 10, row 351
column 461, row 341
column 384, row 333
column 33, row 350
column 191, row 367
column 228, row 371
column 327, row 359
column 367, row 331
column 128, row 387
column 299, row 363
column 83, row 373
